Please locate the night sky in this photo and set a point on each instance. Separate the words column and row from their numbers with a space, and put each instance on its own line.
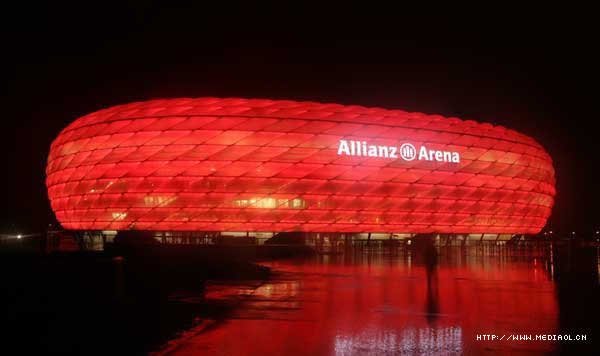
column 532, row 71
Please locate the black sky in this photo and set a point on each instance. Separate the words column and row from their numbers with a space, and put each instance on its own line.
column 534, row 71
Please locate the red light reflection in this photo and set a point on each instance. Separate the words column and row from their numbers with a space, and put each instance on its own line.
column 377, row 306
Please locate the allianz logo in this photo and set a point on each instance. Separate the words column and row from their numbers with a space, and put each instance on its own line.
column 406, row 151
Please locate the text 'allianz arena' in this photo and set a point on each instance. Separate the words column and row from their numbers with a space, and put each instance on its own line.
column 213, row 164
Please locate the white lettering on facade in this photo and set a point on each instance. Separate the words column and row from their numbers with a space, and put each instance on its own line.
column 406, row 151
column 343, row 148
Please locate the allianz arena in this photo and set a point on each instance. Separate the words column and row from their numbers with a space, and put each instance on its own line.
column 212, row 164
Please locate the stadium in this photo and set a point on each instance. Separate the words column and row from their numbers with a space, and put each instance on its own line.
column 256, row 167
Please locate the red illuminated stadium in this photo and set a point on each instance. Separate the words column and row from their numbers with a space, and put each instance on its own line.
column 213, row 164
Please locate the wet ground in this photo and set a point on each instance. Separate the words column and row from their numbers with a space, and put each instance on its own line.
column 382, row 303
column 433, row 301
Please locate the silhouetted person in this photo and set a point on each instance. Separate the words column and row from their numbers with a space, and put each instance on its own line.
column 430, row 257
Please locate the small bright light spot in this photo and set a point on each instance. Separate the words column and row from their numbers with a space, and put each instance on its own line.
column 550, row 231
column 19, row 236
column 597, row 232
column 119, row 216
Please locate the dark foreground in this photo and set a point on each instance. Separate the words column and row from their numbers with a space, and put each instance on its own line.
column 433, row 301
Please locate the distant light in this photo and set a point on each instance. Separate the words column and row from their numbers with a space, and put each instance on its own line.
column 19, row 236
column 550, row 231
column 597, row 232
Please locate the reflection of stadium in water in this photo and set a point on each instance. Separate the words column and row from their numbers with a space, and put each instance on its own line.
column 409, row 340
column 371, row 303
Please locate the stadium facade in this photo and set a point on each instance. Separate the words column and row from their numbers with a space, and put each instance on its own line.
column 250, row 165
